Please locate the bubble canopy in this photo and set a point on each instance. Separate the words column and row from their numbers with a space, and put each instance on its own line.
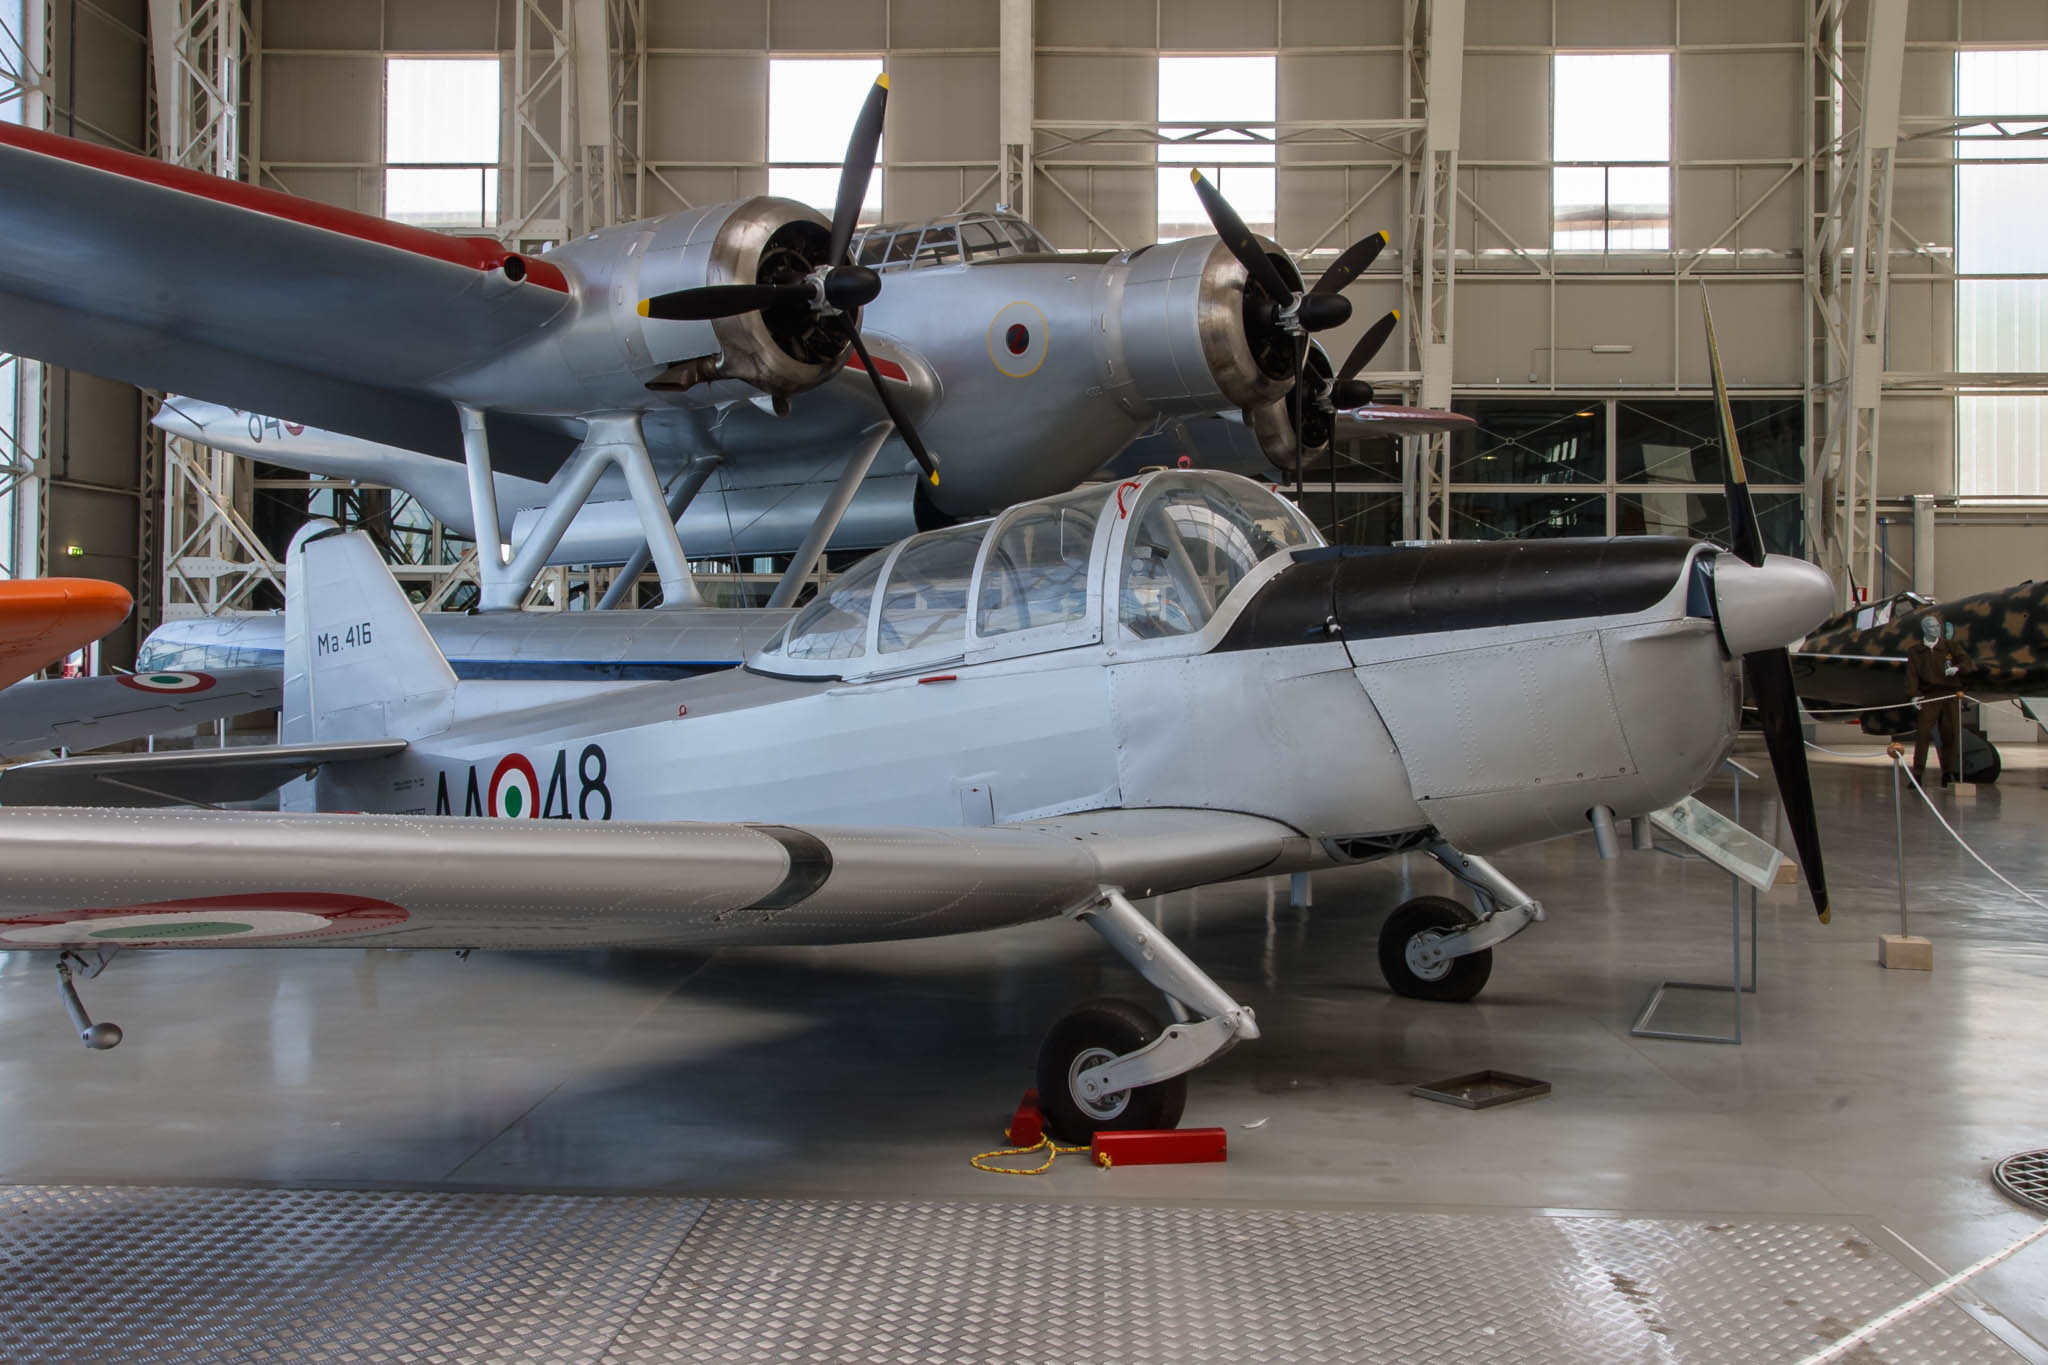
column 1145, row 559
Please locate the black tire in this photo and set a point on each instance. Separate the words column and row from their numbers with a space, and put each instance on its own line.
column 1461, row 978
column 1981, row 760
column 1093, row 1033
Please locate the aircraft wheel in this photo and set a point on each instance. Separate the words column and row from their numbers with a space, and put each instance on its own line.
column 1981, row 760
column 1407, row 930
column 1090, row 1035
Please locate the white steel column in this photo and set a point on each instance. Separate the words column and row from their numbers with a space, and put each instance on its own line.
column 1439, row 44
column 1018, row 105
column 1853, row 255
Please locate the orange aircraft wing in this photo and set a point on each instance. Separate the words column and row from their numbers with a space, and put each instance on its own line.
column 43, row 619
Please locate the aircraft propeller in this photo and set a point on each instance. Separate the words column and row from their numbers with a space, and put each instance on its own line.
column 1768, row 671
column 834, row 290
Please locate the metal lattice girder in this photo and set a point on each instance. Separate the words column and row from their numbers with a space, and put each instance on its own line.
column 1438, row 57
column 1849, row 277
column 577, row 72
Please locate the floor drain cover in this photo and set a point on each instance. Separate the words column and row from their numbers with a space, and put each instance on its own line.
column 1482, row 1089
column 2024, row 1177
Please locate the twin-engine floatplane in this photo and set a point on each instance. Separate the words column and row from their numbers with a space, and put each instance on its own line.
column 577, row 402
column 1092, row 698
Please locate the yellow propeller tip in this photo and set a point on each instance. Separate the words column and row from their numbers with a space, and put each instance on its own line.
column 1396, row 312
column 1827, row 916
column 883, row 80
column 1195, row 176
column 642, row 310
column 1384, row 239
column 934, row 476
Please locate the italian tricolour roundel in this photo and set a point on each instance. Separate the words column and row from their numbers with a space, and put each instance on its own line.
column 267, row 916
column 515, row 792
column 172, row 683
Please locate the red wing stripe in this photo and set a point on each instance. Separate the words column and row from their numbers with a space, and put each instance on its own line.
column 884, row 367
column 478, row 253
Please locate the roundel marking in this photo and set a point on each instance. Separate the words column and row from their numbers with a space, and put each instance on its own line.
column 267, row 917
column 515, row 790
column 1017, row 339
column 168, row 682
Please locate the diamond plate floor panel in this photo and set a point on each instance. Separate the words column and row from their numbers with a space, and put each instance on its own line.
column 92, row 1274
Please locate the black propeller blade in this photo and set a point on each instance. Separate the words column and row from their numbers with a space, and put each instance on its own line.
column 903, row 426
column 722, row 301
column 1366, row 347
column 1348, row 267
column 859, row 166
column 1769, row 671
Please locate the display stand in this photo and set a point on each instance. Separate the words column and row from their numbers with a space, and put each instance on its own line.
column 1748, row 860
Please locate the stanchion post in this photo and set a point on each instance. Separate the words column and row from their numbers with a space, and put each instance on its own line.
column 1902, row 951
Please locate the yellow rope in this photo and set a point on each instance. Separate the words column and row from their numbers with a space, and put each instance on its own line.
column 1045, row 1144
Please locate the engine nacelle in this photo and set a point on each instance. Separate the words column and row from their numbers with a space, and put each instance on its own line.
column 754, row 242
column 1193, row 340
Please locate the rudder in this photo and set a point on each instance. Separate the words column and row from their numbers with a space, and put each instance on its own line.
column 358, row 661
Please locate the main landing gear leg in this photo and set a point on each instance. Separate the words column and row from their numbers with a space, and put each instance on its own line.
column 1434, row 948
column 98, row 1037
column 1110, row 1065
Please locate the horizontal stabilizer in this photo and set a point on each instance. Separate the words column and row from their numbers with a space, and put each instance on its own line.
column 91, row 713
column 188, row 777
column 1379, row 419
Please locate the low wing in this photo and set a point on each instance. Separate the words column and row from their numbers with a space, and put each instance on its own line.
column 91, row 713
column 122, row 266
column 43, row 619
column 179, row 777
column 85, row 878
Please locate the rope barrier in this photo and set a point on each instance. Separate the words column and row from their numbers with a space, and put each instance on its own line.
column 1902, row 705
column 1928, row 801
column 1843, row 1345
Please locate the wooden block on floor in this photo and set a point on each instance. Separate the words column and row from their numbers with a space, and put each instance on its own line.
column 1905, row 952
column 1788, row 874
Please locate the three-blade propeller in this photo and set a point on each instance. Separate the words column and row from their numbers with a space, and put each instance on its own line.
column 1768, row 671
column 836, row 289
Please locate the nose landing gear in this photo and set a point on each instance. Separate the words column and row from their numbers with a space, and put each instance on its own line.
column 1433, row 948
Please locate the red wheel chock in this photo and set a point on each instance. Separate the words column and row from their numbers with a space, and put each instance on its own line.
column 1160, row 1147
column 1027, row 1125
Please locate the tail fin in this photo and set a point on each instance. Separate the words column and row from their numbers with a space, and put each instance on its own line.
column 358, row 662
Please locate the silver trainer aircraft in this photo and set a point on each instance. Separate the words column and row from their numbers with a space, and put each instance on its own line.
column 1092, row 698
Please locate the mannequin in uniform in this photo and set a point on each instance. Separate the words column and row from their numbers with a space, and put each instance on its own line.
column 1934, row 670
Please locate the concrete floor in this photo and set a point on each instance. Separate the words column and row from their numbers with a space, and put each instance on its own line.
column 875, row 1072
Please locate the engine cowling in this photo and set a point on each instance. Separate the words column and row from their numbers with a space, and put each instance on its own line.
column 764, row 240
column 1194, row 338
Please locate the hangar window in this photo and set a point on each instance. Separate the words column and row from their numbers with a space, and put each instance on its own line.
column 2001, row 270
column 1224, row 108
column 1610, row 148
column 441, row 147
column 812, row 103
